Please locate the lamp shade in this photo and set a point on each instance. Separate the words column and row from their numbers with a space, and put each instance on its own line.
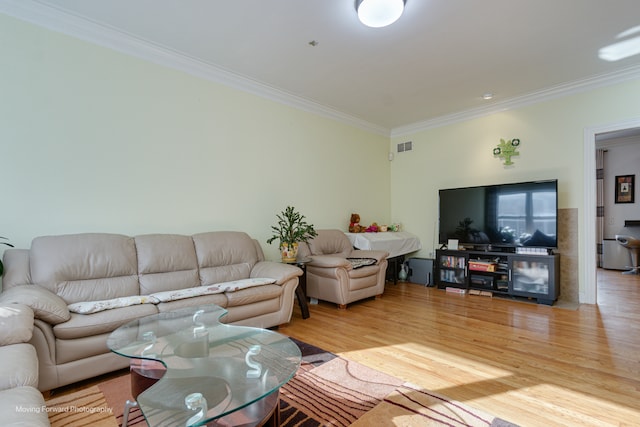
column 379, row 13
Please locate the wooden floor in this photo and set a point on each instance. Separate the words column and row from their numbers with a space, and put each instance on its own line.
column 530, row 364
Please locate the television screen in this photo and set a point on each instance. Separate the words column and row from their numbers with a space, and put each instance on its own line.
column 507, row 215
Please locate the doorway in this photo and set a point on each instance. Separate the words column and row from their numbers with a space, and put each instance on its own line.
column 588, row 293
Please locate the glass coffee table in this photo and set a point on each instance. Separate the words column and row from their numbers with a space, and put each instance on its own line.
column 215, row 374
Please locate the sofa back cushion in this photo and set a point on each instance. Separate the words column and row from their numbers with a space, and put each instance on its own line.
column 85, row 267
column 224, row 256
column 166, row 262
column 330, row 242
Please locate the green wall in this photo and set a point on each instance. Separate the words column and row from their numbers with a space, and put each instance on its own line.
column 552, row 135
column 96, row 141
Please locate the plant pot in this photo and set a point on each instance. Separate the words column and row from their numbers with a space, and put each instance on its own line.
column 289, row 254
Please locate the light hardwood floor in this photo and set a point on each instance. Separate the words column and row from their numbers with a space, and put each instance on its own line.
column 530, row 364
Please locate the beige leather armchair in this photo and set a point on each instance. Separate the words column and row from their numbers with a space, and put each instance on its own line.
column 331, row 274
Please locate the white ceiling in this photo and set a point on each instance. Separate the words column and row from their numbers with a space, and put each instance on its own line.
column 430, row 67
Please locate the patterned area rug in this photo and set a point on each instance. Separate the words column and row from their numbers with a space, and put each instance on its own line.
column 327, row 390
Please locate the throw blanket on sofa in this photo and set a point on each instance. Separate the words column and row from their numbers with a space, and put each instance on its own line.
column 89, row 307
column 361, row 262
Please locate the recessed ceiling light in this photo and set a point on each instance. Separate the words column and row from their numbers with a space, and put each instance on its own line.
column 487, row 96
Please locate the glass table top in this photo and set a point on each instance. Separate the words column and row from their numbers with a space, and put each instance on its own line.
column 212, row 369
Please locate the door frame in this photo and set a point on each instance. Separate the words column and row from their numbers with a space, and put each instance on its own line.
column 588, row 294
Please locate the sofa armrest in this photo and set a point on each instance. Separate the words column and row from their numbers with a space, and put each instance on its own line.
column 362, row 253
column 276, row 270
column 19, row 366
column 45, row 304
column 16, row 324
column 16, row 268
column 329, row 261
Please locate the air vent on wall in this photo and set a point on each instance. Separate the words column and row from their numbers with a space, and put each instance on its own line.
column 405, row 146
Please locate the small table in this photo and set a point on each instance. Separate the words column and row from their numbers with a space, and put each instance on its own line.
column 214, row 372
column 301, row 290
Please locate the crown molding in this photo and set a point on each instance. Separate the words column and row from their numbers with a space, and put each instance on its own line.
column 59, row 21
column 558, row 91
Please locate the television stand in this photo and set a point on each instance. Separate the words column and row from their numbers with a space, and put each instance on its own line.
column 503, row 249
column 535, row 276
column 482, row 247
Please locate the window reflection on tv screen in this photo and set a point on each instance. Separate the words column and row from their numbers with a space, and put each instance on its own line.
column 519, row 214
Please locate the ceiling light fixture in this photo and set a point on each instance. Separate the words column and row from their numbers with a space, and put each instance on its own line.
column 379, row 13
column 487, row 96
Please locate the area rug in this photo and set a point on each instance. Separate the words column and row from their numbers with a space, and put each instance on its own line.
column 327, row 390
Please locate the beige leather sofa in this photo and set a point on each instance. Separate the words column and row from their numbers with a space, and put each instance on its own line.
column 69, row 280
column 338, row 273
column 21, row 404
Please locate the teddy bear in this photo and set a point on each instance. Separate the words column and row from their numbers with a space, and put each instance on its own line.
column 354, row 224
column 394, row 227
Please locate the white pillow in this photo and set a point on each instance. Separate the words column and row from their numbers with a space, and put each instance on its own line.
column 96, row 306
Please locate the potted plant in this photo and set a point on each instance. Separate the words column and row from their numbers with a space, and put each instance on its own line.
column 7, row 244
column 290, row 230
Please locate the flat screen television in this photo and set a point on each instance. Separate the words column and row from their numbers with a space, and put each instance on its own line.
column 501, row 216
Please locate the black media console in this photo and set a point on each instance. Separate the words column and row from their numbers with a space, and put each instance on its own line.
column 535, row 276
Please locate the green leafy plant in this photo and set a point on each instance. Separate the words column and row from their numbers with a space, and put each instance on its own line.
column 291, row 228
column 6, row 244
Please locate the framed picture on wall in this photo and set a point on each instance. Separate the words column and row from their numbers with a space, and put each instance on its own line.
column 625, row 188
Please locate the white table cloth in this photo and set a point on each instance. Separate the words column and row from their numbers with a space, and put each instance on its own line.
column 395, row 242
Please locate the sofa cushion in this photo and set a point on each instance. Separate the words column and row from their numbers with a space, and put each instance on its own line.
column 19, row 366
column 358, row 279
column 225, row 273
column 252, row 314
column 365, row 271
column 82, row 348
column 330, row 242
column 282, row 273
column 216, row 299
column 46, row 305
column 89, row 307
column 224, row 256
column 85, row 267
column 16, row 324
column 249, row 296
column 166, row 262
column 84, row 325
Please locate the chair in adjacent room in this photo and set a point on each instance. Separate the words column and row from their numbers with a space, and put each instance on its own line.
column 633, row 246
